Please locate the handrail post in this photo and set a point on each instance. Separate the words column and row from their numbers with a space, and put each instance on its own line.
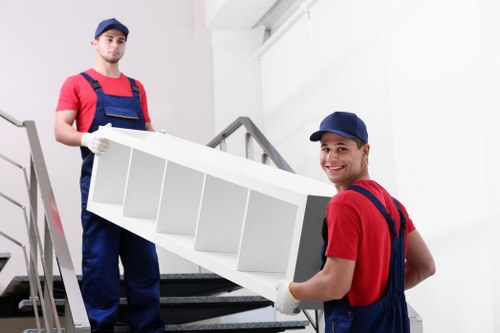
column 34, row 213
column 49, row 262
column 33, row 217
column 249, row 153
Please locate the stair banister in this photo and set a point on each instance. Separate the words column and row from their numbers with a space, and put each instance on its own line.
column 55, row 240
column 32, row 278
column 258, row 136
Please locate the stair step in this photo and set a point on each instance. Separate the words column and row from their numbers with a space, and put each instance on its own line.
column 195, row 284
column 171, row 285
column 4, row 257
column 180, row 310
column 188, row 284
column 250, row 327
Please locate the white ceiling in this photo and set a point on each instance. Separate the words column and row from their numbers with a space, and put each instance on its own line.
column 247, row 14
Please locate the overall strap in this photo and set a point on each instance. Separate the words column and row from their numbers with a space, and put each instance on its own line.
column 135, row 88
column 97, row 87
column 94, row 83
column 402, row 228
column 397, row 265
column 380, row 207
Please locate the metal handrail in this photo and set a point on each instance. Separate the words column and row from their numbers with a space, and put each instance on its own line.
column 11, row 119
column 76, row 315
column 258, row 136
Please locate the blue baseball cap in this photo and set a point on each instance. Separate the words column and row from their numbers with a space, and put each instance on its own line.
column 108, row 24
column 345, row 124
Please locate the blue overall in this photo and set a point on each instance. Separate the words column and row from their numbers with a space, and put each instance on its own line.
column 104, row 242
column 387, row 315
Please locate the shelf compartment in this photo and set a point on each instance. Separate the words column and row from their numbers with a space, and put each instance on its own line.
column 109, row 174
column 221, row 216
column 267, row 234
column 143, row 189
column 180, row 200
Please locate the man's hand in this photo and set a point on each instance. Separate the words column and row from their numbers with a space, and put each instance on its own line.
column 285, row 302
column 95, row 142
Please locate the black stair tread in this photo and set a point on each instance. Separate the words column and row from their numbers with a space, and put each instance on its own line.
column 185, row 284
column 4, row 257
column 213, row 300
column 194, row 284
column 274, row 326
column 250, row 327
column 180, row 310
column 27, row 304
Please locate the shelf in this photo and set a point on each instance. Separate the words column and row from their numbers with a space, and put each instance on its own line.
column 248, row 222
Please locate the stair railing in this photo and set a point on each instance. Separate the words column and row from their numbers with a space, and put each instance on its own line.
column 54, row 243
column 33, row 291
column 269, row 152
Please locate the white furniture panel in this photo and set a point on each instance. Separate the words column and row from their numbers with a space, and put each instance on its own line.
column 142, row 193
column 250, row 223
column 221, row 216
column 181, row 195
column 267, row 235
column 111, row 176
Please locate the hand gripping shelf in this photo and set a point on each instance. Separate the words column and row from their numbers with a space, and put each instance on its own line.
column 248, row 222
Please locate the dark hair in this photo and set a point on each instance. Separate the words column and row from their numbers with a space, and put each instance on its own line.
column 360, row 143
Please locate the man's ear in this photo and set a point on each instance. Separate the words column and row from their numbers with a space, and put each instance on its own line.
column 366, row 150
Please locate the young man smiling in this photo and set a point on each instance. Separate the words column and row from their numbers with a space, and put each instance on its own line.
column 372, row 251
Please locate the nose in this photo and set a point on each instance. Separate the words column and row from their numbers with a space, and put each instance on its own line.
column 329, row 157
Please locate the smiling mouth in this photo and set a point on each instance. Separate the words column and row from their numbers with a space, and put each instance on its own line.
column 334, row 168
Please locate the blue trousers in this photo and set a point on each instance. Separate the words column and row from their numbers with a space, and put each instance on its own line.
column 103, row 244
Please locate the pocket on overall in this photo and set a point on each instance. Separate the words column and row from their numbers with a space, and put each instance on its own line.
column 117, row 112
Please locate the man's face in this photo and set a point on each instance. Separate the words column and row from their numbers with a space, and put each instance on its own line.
column 342, row 161
column 110, row 45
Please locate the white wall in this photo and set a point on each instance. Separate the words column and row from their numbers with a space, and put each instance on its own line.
column 42, row 43
column 424, row 77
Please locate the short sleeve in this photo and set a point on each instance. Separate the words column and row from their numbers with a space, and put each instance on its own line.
column 344, row 230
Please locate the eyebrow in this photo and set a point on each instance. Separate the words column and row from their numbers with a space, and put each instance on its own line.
column 335, row 144
column 117, row 37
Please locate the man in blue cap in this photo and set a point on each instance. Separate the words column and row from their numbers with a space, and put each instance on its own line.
column 372, row 251
column 97, row 97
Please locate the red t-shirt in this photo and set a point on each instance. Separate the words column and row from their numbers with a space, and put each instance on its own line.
column 358, row 231
column 77, row 94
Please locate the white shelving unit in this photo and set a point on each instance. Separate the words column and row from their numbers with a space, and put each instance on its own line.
column 248, row 222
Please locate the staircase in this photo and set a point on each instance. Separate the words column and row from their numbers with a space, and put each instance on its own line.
column 189, row 303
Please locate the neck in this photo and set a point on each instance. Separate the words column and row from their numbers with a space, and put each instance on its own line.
column 341, row 187
column 107, row 69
